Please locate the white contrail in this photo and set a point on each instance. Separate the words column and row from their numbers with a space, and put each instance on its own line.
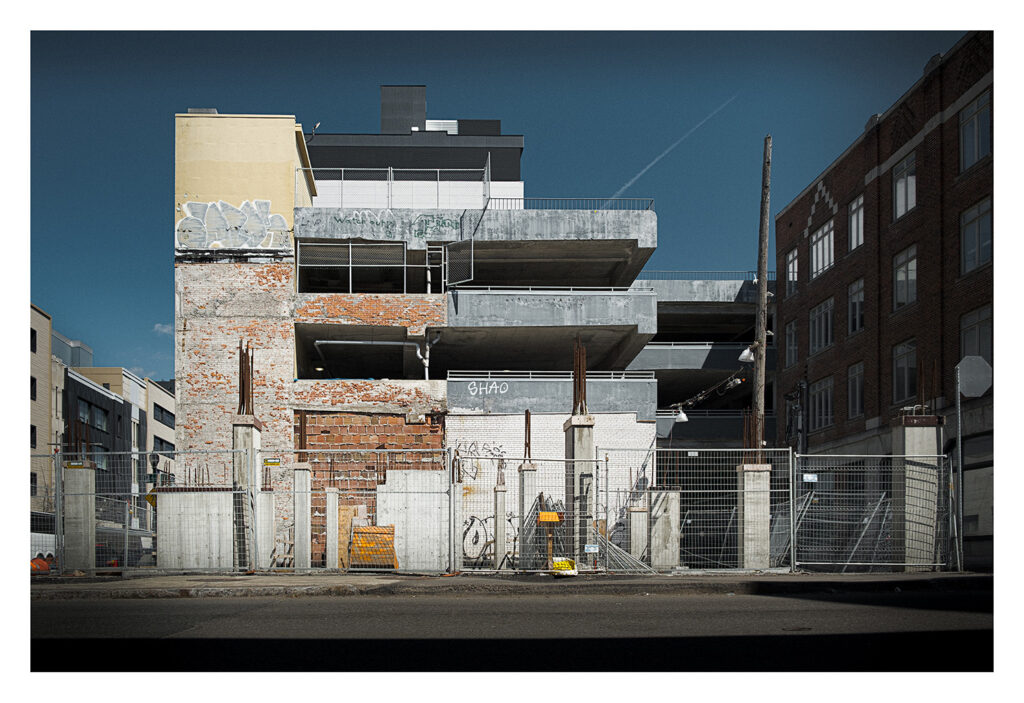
column 663, row 154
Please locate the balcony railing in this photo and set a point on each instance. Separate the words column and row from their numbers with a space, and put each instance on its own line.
column 549, row 375
column 552, row 289
column 690, row 413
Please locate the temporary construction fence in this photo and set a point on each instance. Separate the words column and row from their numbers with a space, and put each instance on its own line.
column 873, row 513
column 702, row 509
column 530, row 514
column 358, row 509
column 435, row 511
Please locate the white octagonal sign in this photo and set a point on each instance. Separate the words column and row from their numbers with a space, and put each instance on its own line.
column 975, row 376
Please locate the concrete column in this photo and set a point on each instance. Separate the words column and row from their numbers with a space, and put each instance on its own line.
column 579, row 482
column 245, row 440
column 664, row 519
column 79, row 519
column 915, row 486
column 637, row 532
column 753, row 516
column 499, row 525
column 528, row 544
column 303, row 501
column 332, row 527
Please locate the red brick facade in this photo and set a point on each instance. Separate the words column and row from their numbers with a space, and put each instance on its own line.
column 926, row 122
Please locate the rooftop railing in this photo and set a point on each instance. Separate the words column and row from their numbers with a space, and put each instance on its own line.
column 571, row 204
column 700, row 276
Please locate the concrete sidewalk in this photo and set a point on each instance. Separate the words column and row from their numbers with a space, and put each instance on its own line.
column 347, row 584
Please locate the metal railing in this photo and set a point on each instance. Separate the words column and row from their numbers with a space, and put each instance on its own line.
column 549, row 375
column 396, row 187
column 700, row 275
column 571, row 204
column 552, row 289
column 723, row 413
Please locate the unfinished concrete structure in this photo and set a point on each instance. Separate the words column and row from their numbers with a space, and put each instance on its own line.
column 401, row 294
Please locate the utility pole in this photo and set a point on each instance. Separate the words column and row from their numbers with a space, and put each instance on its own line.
column 762, row 298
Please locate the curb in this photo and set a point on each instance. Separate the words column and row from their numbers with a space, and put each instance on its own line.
column 513, row 588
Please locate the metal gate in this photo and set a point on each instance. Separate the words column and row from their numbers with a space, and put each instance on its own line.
column 872, row 513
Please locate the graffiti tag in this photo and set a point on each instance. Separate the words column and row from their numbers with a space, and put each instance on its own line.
column 485, row 388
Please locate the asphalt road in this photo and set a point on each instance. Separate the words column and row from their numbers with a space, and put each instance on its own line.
column 863, row 631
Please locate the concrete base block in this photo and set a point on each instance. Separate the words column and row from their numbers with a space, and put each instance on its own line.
column 303, row 515
column 754, row 516
column 79, row 520
column 638, row 533
column 664, row 521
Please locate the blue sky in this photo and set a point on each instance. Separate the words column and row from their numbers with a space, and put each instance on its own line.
column 595, row 109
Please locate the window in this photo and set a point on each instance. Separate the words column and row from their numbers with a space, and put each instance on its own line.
column 855, row 390
column 976, row 333
column 162, row 446
column 820, row 329
column 357, row 267
column 791, row 344
column 904, row 371
column 855, row 313
column 34, row 485
column 904, row 289
column 904, row 182
column 821, row 250
column 92, row 415
column 33, row 342
column 163, row 416
column 99, row 457
column 857, row 222
column 32, row 436
column 792, row 270
column 821, row 404
column 976, row 236
column 975, row 131
column 32, row 387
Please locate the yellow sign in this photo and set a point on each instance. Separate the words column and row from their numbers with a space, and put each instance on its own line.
column 547, row 517
column 150, row 498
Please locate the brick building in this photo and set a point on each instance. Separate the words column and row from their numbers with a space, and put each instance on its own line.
column 886, row 275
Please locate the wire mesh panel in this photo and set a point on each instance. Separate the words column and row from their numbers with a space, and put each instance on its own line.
column 872, row 513
column 460, row 262
column 701, row 508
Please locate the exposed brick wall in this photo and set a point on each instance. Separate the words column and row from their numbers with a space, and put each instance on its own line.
column 327, row 430
column 216, row 305
column 416, row 312
column 943, row 295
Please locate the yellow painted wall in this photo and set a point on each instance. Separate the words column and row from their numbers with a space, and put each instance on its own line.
column 237, row 158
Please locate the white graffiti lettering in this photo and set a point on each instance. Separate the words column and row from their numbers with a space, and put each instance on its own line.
column 485, row 388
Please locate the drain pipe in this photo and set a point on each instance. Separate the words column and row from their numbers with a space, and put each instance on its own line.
column 421, row 355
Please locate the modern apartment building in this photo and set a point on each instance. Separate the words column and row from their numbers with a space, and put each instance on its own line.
column 886, row 273
column 41, row 475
